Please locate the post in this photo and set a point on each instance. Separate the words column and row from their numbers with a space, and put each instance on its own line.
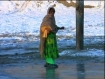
column 79, row 24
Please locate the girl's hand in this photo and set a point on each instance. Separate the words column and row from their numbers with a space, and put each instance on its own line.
column 62, row 28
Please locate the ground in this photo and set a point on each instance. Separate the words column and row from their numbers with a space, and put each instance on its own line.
column 32, row 66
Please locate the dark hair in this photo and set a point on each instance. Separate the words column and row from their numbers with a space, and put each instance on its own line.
column 51, row 9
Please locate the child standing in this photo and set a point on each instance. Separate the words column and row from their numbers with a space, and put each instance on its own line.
column 48, row 43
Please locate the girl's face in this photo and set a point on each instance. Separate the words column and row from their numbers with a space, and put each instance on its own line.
column 52, row 12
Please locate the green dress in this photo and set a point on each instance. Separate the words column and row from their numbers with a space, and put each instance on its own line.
column 51, row 49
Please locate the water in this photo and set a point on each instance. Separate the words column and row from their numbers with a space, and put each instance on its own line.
column 22, row 57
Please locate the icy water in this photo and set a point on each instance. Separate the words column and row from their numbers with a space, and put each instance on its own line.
column 27, row 47
column 11, row 44
column 20, row 58
column 19, row 53
column 30, row 65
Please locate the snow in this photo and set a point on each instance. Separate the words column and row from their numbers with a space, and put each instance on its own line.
column 20, row 19
column 90, row 53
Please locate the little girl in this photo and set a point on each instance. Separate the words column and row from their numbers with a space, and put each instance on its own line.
column 48, row 43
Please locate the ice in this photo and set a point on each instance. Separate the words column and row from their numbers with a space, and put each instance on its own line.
column 84, row 53
column 4, row 77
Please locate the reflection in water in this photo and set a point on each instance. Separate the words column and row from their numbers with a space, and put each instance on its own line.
column 80, row 70
column 50, row 73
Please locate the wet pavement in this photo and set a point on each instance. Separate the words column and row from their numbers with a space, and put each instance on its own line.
column 68, row 69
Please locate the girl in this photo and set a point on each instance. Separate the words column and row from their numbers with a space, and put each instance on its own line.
column 48, row 43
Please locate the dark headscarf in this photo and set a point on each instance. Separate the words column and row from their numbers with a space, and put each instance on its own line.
column 49, row 20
